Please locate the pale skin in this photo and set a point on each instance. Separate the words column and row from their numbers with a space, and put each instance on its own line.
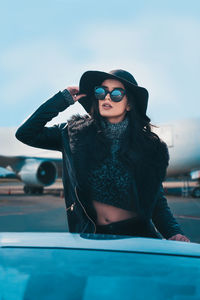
column 107, row 213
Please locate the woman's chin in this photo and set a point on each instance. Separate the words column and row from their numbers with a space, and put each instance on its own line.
column 106, row 114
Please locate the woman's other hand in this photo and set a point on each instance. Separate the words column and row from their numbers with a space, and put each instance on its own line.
column 74, row 90
column 179, row 237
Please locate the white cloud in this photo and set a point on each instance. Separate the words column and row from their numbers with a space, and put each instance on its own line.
column 34, row 66
column 126, row 49
column 161, row 52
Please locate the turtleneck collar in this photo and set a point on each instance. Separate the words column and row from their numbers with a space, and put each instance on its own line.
column 114, row 130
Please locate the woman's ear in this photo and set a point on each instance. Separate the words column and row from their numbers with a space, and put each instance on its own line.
column 128, row 107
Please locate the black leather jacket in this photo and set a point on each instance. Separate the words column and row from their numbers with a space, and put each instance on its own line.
column 34, row 133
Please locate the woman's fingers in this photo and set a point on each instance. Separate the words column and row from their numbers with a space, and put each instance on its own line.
column 179, row 237
column 79, row 96
column 74, row 90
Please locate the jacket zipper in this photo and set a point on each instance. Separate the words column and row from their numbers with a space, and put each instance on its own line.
column 84, row 210
column 71, row 207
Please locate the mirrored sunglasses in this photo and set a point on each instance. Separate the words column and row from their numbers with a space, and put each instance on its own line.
column 116, row 94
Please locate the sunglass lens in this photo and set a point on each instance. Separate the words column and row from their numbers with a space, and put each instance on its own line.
column 100, row 93
column 116, row 95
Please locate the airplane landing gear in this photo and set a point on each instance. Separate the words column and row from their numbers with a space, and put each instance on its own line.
column 30, row 190
column 196, row 192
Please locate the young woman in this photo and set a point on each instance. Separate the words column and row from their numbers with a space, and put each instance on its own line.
column 113, row 164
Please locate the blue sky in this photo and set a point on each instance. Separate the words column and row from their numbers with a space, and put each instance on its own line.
column 47, row 45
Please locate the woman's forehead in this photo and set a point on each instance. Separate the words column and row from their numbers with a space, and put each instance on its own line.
column 112, row 83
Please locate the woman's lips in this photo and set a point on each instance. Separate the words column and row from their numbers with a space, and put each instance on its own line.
column 106, row 106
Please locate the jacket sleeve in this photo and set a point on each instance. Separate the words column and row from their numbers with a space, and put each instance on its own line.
column 33, row 131
column 163, row 218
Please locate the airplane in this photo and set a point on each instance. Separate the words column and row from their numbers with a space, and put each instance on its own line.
column 183, row 140
column 38, row 168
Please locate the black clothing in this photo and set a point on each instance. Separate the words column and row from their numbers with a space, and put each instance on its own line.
column 77, row 140
column 132, row 227
column 110, row 181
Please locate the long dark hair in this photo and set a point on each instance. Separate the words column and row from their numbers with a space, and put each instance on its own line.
column 139, row 144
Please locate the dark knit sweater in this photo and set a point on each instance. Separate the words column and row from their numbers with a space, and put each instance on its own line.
column 110, row 182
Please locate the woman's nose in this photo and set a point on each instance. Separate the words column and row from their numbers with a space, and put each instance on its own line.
column 108, row 97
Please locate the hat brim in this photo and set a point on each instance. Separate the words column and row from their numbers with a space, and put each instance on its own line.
column 90, row 79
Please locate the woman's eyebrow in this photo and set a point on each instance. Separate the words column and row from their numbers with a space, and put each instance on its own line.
column 116, row 87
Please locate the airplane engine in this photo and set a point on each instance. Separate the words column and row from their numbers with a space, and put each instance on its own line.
column 36, row 174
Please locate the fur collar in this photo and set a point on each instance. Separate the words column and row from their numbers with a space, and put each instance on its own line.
column 79, row 125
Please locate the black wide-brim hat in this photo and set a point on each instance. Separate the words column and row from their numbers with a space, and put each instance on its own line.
column 90, row 79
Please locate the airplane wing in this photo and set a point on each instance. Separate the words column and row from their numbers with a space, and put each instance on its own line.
column 5, row 173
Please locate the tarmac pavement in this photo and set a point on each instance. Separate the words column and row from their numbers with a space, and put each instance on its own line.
column 46, row 213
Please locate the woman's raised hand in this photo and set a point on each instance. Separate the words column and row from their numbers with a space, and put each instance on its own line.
column 74, row 91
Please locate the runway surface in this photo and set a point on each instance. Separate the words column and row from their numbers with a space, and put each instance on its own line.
column 46, row 213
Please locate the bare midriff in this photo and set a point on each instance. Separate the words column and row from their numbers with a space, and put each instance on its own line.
column 107, row 214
